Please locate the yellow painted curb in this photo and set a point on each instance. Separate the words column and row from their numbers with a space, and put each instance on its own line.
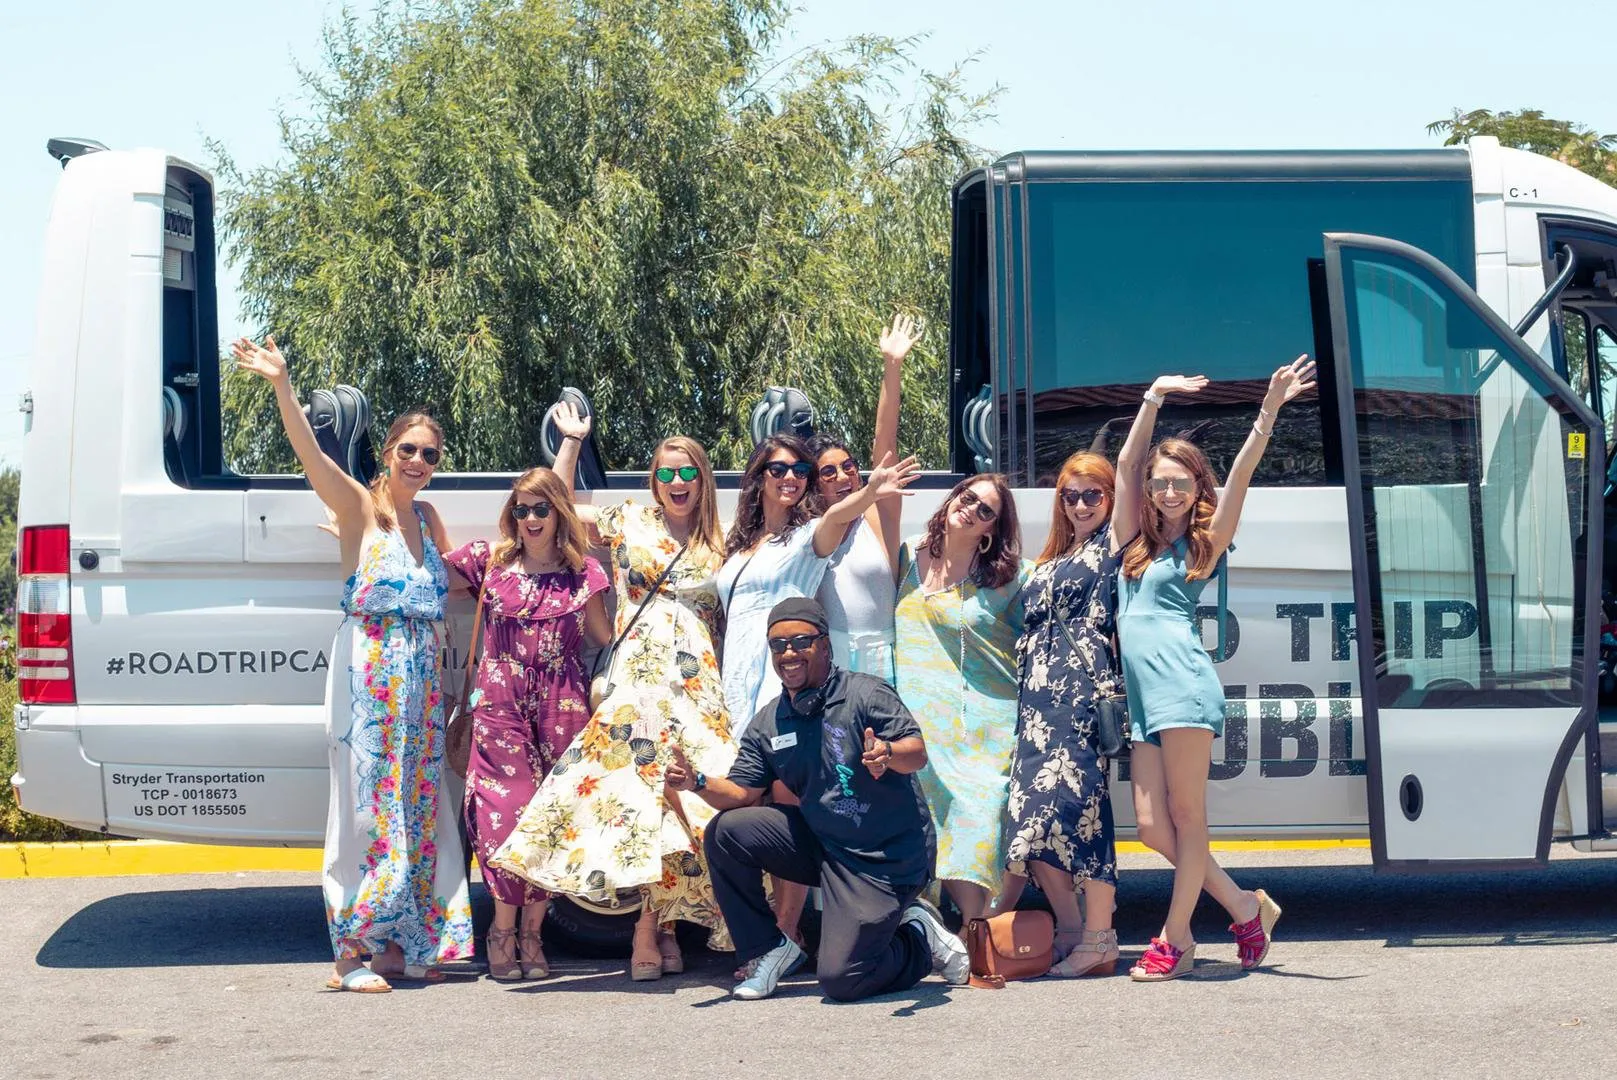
column 1134, row 847
column 128, row 858
column 125, row 858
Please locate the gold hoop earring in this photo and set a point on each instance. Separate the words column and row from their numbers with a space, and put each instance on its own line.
column 987, row 542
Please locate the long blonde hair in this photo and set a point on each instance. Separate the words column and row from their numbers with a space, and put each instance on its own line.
column 1202, row 559
column 706, row 542
column 380, row 501
column 1083, row 463
column 572, row 542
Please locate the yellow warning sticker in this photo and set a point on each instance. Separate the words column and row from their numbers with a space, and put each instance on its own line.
column 1577, row 445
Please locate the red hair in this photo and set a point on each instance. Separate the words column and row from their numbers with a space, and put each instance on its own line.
column 1082, row 463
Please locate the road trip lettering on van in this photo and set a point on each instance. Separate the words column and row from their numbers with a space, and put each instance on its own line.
column 218, row 662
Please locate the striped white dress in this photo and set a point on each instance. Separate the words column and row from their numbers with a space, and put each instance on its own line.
column 749, row 585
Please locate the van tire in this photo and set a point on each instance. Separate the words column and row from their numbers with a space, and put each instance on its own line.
column 588, row 931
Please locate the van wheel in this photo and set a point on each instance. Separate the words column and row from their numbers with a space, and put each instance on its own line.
column 586, row 928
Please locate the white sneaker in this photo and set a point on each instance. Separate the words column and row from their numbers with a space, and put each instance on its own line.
column 768, row 970
column 949, row 955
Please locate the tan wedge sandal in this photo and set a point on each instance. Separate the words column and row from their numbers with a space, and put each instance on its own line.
column 531, row 953
column 1096, row 954
column 502, row 955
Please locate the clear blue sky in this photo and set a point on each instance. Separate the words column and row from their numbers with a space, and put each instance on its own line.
column 1144, row 74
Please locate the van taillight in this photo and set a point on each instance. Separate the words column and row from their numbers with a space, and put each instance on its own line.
column 44, row 621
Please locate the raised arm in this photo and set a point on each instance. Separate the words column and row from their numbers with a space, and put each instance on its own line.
column 886, row 484
column 1129, row 497
column 1286, row 383
column 574, row 430
column 896, row 342
column 344, row 496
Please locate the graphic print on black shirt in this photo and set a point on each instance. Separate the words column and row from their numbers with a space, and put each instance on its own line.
column 880, row 827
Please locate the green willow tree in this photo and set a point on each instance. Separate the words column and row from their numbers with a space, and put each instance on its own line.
column 491, row 200
column 1572, row 143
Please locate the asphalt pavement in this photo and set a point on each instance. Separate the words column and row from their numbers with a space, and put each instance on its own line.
column 221, row 976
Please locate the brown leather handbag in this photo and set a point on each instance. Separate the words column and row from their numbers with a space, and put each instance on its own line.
column 1015, row 945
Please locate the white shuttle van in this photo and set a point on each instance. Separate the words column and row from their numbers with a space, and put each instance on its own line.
column 175, row 615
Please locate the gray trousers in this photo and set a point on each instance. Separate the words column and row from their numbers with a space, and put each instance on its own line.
column 863, row 949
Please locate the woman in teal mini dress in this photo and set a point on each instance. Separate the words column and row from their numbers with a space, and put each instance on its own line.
column 1180, row 532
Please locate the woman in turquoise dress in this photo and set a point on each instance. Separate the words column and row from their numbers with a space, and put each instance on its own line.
column 1173, row 529
column 956, row 626
column 394, row 876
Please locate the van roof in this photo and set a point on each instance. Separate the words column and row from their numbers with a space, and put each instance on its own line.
column 1447, row 163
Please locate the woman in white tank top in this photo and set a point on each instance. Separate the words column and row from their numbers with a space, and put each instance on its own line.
column 857, row 589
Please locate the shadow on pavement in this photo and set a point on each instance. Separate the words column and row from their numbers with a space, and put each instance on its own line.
column 1570, row 902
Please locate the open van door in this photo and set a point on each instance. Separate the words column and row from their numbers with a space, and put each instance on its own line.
column 1473, row 478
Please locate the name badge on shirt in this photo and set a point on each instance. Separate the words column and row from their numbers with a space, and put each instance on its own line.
column 782, row 742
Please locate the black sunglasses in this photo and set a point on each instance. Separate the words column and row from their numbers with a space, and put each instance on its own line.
column 407, row 450
column 1088, row 496
column 985, row 513
column 686, row 473
column 540, row 510
column 798, row 643
column 800, row 469
column 849, row 466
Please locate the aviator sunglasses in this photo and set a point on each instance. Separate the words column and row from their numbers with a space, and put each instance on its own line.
column 540, row 510
column 1088, row 496
column 430, row 454
column 686, row 473
column 1158, row 485
column 779, row 469
column 849, row 467
column 798, row 643
column 984, row 512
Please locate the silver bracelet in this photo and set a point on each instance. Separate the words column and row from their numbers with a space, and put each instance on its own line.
column 1260, row 431
column 1155, row 399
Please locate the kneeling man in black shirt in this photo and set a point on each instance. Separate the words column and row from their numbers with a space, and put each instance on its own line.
column 846, row 746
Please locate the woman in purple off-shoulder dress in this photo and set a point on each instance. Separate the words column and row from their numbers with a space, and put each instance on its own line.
column 541, row 602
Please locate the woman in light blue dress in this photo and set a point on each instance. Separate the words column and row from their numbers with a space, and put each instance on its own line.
column 777, row 550
column 1172, row 530
column 394, row 877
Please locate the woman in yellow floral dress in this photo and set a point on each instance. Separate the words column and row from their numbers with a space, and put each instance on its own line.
column 602, row 821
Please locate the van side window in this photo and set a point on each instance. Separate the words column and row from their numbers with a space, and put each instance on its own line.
column 1133, row 279
column 1606, row 366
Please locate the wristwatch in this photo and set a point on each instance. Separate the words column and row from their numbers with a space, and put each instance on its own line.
column 699, row 781
column 1155, row 399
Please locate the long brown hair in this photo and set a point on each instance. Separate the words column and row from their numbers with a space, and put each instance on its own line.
column 1083, row 463
column 572, row 542
column 395, row 435
column 749, row 522
column 1198, row 532
column 992, row 568
column 706, row 541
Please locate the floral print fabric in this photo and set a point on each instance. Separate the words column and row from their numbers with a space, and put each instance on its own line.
column 393, row 869
column 601, row 821
column 1060, row 809
column 531, row 699
column 956, row 668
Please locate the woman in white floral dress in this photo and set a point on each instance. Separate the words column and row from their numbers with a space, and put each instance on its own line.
column 1060, row 813
column 603, row 821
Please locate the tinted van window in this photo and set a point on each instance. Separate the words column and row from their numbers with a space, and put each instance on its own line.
column 1133, row 279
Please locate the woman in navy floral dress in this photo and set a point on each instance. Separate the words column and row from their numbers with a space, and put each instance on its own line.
column 1060, row 813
